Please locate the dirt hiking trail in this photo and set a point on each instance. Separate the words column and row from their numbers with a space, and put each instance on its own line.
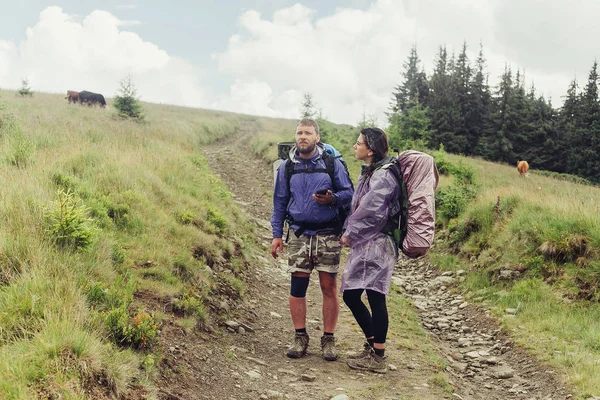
column 244, row 356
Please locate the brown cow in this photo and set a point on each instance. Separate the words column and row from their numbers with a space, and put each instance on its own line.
column 73, row 96
column 523, row 167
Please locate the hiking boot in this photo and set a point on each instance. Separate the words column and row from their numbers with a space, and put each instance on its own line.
column 370, row 362
column 363, row 353
column 328, row 347
column 299, row 347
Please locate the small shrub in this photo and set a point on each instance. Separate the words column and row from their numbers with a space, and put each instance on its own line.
column 67, row 222
column 140, row 332
column 216, row 219
column 463, row 173
column 451, row 201
column 117, row 324
column 126, row 103
column 443, row 165
column 149, row 362
column 185, row 217
column 144, row 330
column 190, row 304
column 25, row 90
column 117, row 255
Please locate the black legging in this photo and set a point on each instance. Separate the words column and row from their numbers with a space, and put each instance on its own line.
column 375, row 326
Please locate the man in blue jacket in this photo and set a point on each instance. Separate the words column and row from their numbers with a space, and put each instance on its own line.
column 308, row 194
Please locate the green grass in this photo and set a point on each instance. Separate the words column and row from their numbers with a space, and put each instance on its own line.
column 96, row 211
column 547, row 231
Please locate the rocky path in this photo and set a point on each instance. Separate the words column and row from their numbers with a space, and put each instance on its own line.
column 484, row 362
column 245, row 358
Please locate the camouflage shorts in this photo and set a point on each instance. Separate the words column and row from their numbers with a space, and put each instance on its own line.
column 320, row 252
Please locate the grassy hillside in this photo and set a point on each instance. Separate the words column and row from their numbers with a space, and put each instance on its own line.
column 96, row 213
column 530, row 244
column 101, row 218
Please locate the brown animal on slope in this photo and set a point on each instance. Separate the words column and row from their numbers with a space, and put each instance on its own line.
column 523, row 167
column 73, row 96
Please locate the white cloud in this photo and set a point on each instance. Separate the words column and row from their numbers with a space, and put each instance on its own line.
column 257, row 98
column 352, row 59
column 60, row 53
column 129, row 22
column 349, row 60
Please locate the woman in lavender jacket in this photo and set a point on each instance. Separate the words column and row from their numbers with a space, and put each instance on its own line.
column 373, row 253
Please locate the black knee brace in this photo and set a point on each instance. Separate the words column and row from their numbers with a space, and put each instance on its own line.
column 299, row 286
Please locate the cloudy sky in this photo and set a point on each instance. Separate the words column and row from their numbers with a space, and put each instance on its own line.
column 261, row 56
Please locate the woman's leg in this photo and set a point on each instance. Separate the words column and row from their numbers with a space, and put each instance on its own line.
column 380, row 320
column 360, row 311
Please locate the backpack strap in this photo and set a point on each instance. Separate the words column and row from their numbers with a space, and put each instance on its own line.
column 330, row 167
column 398, row 219
column 290, row 170
column 327, row 158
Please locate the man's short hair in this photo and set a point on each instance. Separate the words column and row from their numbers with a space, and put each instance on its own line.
column 309, row 122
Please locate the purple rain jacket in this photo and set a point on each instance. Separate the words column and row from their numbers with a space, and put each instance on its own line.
column 297, row 200
column 373, row 254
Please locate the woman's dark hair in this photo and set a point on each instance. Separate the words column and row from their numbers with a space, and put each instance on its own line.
column 376, row 141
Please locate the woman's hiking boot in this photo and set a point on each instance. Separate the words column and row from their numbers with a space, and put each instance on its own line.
column 363, row 353
column 299, row 347
column 328, row 347
column 370, row 362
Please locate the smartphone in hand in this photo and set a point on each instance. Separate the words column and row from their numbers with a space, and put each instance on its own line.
column 321, row 191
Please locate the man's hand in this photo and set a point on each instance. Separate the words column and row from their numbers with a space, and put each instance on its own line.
column 277, row 244
column 324, row 199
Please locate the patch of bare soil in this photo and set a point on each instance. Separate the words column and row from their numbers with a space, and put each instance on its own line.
column 244, row 358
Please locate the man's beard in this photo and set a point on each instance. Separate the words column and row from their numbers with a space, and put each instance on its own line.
column 309, row 148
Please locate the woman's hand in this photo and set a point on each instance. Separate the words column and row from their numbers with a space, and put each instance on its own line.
column 344, row 241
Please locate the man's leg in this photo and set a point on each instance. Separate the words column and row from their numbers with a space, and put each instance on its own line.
column 298, row 299
column 328, row 267
column 298, row 312
column 331, row 308
column 300, row 268
column 331, row 303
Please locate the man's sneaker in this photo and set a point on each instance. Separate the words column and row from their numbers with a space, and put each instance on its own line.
column 328, row 347
column 370, row 362
column 299, row 347
column 363, row 353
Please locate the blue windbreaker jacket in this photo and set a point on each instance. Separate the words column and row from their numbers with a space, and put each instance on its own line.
column 297, row 200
